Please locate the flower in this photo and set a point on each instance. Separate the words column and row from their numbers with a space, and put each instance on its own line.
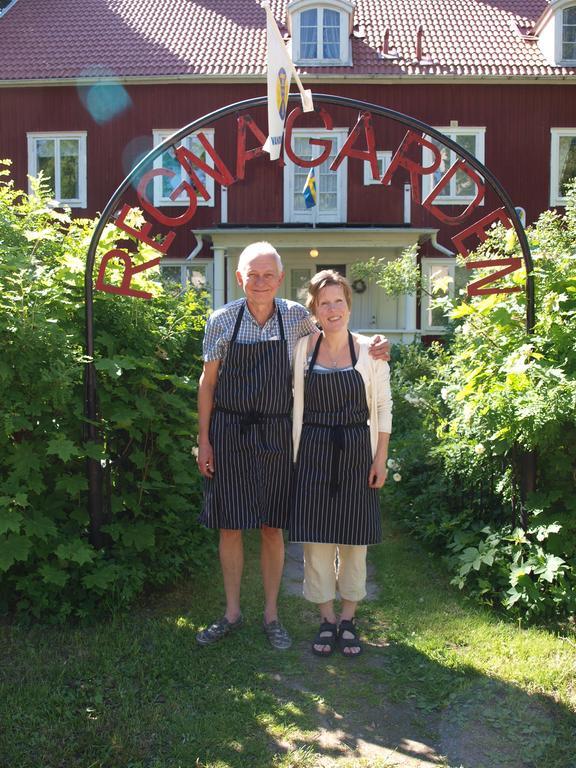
column 392, row 464
column 479, row 449
column 397, row 477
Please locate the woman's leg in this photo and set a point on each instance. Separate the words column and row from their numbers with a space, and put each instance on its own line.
column 320, row 585
column 352, row 588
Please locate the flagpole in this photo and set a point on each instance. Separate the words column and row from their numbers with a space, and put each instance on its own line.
column 306, row 95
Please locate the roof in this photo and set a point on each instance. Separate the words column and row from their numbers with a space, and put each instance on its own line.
column 131, row 39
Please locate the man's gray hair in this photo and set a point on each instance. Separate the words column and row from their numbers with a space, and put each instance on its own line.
column 253, row 250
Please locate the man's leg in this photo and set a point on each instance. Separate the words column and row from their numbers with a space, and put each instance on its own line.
column 231, row 550
column 272, row 563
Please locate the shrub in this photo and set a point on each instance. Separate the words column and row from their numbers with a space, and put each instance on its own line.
column 148, row 358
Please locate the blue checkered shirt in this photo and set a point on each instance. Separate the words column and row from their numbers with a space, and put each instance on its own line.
column 220, row 327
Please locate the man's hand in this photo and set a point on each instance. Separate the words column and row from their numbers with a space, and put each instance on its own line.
column 206, row 460
column 379, row 348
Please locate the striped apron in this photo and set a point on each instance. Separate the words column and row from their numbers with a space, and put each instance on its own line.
column 332, row 503
column 251, row 436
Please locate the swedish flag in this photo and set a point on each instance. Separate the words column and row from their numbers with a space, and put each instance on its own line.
column 309, row 190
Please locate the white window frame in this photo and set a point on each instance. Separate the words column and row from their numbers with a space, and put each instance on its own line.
column 555, row 134
column 344, row 9
column 160, row 135
column 314, row 215
column 57, row 136
column 188, row 267
column 427, row 159
column 559, row 33
column 427, row 267
column 384, row 157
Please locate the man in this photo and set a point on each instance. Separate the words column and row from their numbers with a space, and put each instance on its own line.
column 245, row 430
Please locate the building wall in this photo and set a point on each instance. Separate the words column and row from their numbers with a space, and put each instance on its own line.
column 517, row 120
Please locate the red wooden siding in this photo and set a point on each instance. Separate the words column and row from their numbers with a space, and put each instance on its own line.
column 517, row 119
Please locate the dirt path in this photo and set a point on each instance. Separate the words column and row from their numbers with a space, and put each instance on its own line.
column 490, row 725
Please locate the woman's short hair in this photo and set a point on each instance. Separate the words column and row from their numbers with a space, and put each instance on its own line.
column 321, row 280
column 261, row 248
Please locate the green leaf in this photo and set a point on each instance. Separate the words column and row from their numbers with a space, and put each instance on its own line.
column 13, row 548
column 552, row 567
column 141, row 536
column 63, row 448
column 77, row 551
column 52, row 575
column 40, row 526
column 10, row 520
column 102, row 578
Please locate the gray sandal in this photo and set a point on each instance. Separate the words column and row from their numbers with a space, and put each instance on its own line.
column 218, row 630
column 277, row 635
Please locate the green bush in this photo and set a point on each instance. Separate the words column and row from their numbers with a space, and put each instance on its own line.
column 466, row 413
column 148, row 358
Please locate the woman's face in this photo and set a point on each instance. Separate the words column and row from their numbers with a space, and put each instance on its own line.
column 331, row 309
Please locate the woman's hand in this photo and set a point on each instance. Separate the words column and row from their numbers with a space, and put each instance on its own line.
column 378, row 473
column 379, row 348
column 206, row 460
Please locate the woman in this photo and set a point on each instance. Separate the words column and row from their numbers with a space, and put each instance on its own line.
column 342, row 422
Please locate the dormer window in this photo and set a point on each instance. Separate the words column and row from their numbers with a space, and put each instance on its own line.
column 321, row 32
column 569, row 34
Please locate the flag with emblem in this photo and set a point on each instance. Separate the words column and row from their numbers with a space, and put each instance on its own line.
column 309, row 190
column 280, row 70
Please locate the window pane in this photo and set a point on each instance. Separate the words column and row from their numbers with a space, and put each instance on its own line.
column 442, row 168
column 464, row 186
column 331, row 35
column 169, row 162
column 328, row 184
column 303, row 150
column 567, row 161
column 45, row 160
column 299, row 281
column 309, row 34
column 69, row 169
column 569, row 33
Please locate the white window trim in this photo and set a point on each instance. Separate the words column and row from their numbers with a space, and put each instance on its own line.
column 160, row 135
column 188, row 266
column 345, row 12
column 558, row 29
column 428, row 179
column 555, row 135
column 384, row 157
column 81, row 200
column 427, row 265
column 313, row 215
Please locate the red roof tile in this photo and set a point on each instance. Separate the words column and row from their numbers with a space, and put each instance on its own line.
column 71, row 39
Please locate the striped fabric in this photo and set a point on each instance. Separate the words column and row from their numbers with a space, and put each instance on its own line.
column 251, row 436
column 335, row 424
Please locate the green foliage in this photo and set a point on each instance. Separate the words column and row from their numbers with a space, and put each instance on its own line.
column 148, row 358
column 466, row 415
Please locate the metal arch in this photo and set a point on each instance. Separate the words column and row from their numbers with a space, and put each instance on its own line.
column 90, row 398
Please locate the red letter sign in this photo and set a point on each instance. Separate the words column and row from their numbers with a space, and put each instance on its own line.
column 414, row 169
column 129, row 270
column 326, row 143
column 459, row 165
column 366, row 155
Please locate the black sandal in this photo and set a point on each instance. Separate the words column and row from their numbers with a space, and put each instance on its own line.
column 348, row 625
column 329, row 638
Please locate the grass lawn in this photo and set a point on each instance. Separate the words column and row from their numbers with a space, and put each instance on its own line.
column 441, row 683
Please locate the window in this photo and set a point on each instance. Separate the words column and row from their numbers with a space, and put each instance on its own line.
column 438, row 276
column 330, row 185
column 569, row 34
column 61, row 158
column 321, row 32
column 186, row 274
column 460, row 189
column 562, row 163
column 165, row 185
column 384, row 158
column 299, row 279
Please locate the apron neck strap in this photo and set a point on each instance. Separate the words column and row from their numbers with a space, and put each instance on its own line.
column 241, row 315
column 238, row 322
column 317, row 349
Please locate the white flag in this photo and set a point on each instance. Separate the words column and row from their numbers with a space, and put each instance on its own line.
column 279, row 73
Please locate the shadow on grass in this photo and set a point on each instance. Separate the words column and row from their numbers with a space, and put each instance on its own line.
column 139, row 693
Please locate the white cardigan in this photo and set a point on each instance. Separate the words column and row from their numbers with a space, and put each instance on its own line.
column 376, row 376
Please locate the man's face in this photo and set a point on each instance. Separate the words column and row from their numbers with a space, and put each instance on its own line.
column 260, row 279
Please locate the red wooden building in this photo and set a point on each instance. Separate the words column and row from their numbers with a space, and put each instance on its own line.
column 89, row 86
